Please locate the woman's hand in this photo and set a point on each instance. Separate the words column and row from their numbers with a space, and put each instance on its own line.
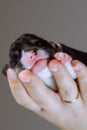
column 67, row 108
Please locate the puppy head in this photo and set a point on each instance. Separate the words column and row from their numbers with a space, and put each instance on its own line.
column 29, row 42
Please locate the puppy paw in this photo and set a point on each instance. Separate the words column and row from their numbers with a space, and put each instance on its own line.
column 63, row 57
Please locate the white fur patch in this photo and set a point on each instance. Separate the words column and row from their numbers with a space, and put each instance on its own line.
column 70, row 70
column 46, row 76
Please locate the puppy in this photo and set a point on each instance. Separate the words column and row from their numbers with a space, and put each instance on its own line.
column 34, row 53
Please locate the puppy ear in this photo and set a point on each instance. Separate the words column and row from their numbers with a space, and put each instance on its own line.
column 57, row 46
column 4, row 70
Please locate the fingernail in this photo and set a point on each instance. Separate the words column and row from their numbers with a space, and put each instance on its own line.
column 53, row 66
column 24, row 76
column 77, row 66
column 11, row 74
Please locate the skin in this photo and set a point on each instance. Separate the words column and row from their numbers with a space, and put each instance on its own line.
column 30, row 92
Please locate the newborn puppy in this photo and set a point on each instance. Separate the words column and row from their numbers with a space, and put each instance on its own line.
column 33, row 53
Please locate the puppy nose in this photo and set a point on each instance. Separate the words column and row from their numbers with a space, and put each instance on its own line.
column 30, row 55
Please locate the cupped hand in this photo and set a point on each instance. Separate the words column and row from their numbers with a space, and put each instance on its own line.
column 67, row 108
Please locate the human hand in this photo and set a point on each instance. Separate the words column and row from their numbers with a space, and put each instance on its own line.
column 30, row 92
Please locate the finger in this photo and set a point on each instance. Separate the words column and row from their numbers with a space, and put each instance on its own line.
column 19, row 93
column 43, row 96
column 67, row 87
column 81, row 71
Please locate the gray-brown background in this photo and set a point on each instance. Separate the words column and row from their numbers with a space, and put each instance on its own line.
column 58, row 20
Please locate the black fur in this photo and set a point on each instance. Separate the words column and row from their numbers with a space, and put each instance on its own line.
column 33, row 42
column 75, row 54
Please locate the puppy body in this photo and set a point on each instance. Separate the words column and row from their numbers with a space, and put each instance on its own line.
column 32, row 52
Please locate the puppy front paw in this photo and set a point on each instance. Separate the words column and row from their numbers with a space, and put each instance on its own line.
column 63, row 57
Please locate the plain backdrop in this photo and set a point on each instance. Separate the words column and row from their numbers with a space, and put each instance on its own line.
column 57, row 20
